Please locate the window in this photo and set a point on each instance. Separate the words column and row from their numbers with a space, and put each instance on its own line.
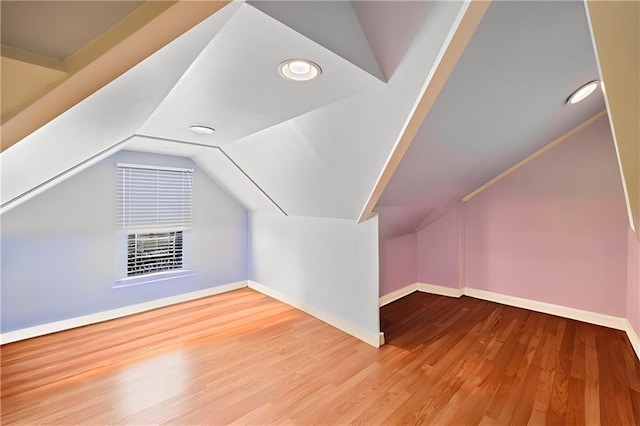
column 154, row 219
column 149, row 253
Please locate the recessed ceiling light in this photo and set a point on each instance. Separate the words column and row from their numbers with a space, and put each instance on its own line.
column 299, row 69
column 203, row 130
column 582, row 92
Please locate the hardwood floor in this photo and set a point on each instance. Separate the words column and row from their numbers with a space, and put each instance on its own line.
column 243, row 358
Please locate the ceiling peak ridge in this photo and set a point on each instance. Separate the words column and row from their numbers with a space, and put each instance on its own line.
column 230, row 10
column 459, row 36
column 311, row 19
column 275, row 126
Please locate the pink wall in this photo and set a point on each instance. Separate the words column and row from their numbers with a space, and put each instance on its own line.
column 633, row 282
column 438, row 251
column 397, row 263
column 556, row 229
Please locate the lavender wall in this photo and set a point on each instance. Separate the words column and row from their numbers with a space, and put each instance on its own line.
column 59, row 248
column 555, row 230
column 397, row 263
column 438, row 251
column 633, row 282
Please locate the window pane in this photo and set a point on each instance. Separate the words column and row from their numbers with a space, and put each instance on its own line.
column 157, row 252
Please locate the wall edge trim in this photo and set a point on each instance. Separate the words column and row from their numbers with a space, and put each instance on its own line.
column 54, row 327
column 371, row 339
column 460, row 33
column 535, row 155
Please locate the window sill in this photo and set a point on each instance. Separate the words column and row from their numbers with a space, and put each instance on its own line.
column 152, row 278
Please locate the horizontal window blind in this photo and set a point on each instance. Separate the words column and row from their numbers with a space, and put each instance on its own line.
column 153, row 197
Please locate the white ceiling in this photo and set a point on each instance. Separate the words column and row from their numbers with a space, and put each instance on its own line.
column 216, row 164
column 103, row 120
column 234, row 87
column 312, row 19
column 312, row 148
column 504, row 100
column 390, row 28
column 317, row 148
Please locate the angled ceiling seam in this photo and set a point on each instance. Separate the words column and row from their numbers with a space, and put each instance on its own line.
column 92, row 76
column 533, row 156
column 467, row 22
column 311, row 18
column 24, row 196
column 191, row 65
column 504, row 100
column 32, row 58
column 13, row 202
column 225, row 155
column 243, row 94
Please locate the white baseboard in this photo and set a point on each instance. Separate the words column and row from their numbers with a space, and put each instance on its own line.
column 372, row 339
column 425, row 288
column 397, row 294
column 633, row 338
column 53, row 327
column 548, row 308
column 440, row 290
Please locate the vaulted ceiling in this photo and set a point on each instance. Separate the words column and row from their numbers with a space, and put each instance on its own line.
column 504, row 100
column 319, row 148
column 313, row 148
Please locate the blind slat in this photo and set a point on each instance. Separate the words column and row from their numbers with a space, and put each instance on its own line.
column 149, row 197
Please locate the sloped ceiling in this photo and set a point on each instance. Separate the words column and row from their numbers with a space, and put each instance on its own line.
column 504, row 100
column 233, row 86
column 390, row 28
column 36, row 26
column 97, row 125
column 311, row 148
column 37, row 38
column 85, row 57
column 312, row 19
column 318, row 148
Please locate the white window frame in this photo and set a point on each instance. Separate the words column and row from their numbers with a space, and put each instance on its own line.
column 141, row 219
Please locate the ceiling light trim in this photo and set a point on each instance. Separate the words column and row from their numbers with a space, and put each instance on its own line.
column 299, row 69
column 583, row 92
column 201, row 129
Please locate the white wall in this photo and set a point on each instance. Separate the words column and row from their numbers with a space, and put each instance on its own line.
column 59, row 253
column 328, row 267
